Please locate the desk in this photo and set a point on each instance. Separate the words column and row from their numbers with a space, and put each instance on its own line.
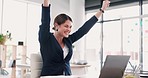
column 79, row 66
column 23, row 67
column 79, row 69
column 73, row 76
column 76, row 69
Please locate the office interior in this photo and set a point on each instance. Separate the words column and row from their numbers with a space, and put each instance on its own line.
column 122, row 30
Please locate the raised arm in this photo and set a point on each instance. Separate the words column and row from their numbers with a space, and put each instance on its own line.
column 89, row 24
column 103, row 8
column 45, row 22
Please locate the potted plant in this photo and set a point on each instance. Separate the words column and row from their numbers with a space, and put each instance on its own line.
column 4, row 38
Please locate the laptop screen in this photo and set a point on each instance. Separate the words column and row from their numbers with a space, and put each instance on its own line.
column 114, row 66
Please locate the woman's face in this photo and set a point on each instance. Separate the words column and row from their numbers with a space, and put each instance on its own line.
column 65, row 28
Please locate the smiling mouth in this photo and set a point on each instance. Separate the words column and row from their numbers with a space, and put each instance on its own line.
column 66, row 33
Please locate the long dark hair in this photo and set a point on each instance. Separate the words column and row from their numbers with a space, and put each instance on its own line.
column 60, row 19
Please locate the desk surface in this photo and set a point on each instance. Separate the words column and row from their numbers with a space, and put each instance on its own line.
column 23, row 66
column 73, row 76
column 72, row 66
column 79, row 66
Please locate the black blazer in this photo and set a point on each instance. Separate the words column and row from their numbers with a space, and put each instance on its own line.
column 51, row 52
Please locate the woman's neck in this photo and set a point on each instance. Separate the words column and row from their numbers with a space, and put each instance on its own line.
column 59, row 39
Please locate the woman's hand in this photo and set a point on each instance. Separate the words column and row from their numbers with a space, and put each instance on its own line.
column 46, row 3
column 104, row 7
column 105, row 4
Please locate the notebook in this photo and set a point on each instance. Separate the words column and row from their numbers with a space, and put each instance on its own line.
column 114, row 66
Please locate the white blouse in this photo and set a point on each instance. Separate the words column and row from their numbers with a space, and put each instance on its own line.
column 65, row 51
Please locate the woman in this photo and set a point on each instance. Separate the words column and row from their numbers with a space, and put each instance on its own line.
column 56, row 48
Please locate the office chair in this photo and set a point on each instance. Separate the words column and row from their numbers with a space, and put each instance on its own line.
column 36, row 65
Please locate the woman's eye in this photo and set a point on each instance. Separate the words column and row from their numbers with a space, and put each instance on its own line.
column 66, row 26
column 70, row 26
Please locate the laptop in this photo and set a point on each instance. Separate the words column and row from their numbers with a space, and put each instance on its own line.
column 114, row 66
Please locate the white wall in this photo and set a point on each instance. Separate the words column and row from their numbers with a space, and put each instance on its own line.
column 25, row 26
column 57, row 6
